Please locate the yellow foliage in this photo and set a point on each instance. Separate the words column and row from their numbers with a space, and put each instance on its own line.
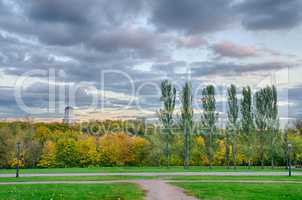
column 87, row 150
column 115, row 149
column 49, row 155
column 198, row 155
column 141, row 148
column 219, row 156
column 15, row 162
column 42, row 133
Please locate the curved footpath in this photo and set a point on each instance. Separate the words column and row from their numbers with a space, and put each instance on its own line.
column 157, row 174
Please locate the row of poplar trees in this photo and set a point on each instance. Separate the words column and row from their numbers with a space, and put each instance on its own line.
column 245, row 118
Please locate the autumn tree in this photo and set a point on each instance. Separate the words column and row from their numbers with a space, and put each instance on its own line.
column 48, row 159
column 168, row 96
column 86, row 148
column 66, row 153
column 187, row 119
column 7, row 145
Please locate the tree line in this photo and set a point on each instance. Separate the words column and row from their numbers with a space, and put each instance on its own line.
column 252, row 120
column 251, row 137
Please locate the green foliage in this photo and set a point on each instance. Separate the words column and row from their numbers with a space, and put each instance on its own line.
column 248, row 134
column 136, row 143
column 187, row 119
column 66, row 153
column 267, row 120
column 209, row 118
column 233, row 122
column 168, row 96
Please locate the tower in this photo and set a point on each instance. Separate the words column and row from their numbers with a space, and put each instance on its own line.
column 68, row 117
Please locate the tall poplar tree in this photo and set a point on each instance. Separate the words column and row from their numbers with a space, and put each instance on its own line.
column 233, row 123
column 247, row 123
column 209, row 119
column 168, row 96
column 260, row 119
column 187, row 120
column 272, row 119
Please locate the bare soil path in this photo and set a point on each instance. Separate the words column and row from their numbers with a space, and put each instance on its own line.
column 160, row 190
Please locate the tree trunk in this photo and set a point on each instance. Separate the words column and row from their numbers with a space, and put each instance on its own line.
column 249, row 155
column 262, row 154
column 234, row 152
column 272, row 149
column 227, row 153
column 168, row 150
column 211, row 151
column 186, row 161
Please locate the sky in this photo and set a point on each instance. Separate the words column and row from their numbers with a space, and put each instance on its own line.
column 106, row 58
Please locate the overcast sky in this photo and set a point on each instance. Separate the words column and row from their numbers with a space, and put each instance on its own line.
column 142, row 42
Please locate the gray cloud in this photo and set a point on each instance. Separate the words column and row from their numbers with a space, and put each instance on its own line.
column 84, row 38
column 191, row 42
column 192, row 16
column 235, row 69
column 229, row 49
column 270, row 14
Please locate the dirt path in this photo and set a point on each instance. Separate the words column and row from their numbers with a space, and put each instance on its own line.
column 160, row 190
column 158, row 174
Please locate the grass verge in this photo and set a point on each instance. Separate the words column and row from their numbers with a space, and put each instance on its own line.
column 72, row 192
column 243, row 191
column 75, row 178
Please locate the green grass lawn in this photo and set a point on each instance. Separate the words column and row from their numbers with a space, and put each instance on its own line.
column 177, row 178
column 71, row 192
column 138, row 169
column 234, row 178
column 75, row 178
column 243, row 191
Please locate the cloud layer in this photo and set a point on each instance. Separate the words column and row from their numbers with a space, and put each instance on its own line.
column 142, row 40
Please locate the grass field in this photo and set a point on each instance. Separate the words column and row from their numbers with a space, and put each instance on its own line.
column 139, row 169
column 243, row 191
column 253, row 178
column 72, row 192
column 75, row 178
column 172, row 178
column 205, row 189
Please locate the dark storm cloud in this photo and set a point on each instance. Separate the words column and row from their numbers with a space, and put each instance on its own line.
column 68, row 22
column 143, row 42
column 270, row 14
column 192, row 16
column 60, row 11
